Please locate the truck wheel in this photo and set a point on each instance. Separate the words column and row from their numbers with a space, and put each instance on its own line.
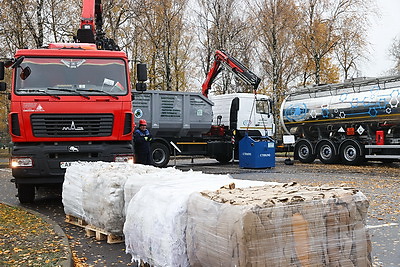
column 224, row 158
column 304, row 152
column 26, row 193
column 351, row 153
column 159, row 155
column 327, row 152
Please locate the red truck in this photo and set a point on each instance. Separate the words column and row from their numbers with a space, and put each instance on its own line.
column 69, row 102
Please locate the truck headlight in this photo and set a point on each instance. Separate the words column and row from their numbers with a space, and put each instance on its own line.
column 23, row 162
column 124, row 158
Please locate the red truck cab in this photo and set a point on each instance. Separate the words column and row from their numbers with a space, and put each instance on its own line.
column 70, row 102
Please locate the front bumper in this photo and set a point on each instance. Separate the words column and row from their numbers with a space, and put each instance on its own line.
column 47, row 158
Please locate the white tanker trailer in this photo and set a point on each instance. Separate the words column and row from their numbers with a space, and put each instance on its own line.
column 349, row 122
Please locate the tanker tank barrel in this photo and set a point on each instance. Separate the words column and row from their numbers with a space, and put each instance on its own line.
column 350, row 122
column 365, row 100
column 357, row 85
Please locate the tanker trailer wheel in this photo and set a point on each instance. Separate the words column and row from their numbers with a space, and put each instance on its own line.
column 327, row 152
column 303, row 151
column 351, row 152
column 159, row 154
column 26, row 193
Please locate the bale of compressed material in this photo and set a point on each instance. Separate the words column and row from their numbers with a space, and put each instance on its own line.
column 156, row 217
column 99, row 192
column 94, row 192
column 278, row 225
column 72, row 193
column 149, row 175
column 103, row 197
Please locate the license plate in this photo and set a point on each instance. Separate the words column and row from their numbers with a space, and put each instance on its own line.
column 64, row 165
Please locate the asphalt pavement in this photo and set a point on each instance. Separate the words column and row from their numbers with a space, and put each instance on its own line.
column 380, row 183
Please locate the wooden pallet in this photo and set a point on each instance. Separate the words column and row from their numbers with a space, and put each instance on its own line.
column 101, row 234
column 75, row 220
column 91, row 230
column 143, row 264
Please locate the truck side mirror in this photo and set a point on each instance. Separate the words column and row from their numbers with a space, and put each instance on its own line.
column 25, row 72
column 270, row 105
column 17, row 62
column 1, row 70
column 141, row 69
column 141, row 72
column 141, row 87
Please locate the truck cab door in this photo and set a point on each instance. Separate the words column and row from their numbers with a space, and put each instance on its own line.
column 233, row 115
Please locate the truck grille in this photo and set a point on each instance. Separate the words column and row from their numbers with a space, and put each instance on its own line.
column 72, row 125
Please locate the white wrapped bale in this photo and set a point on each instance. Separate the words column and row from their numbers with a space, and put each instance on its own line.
column 155, row 225
column 147, row 175
column 156, row 217
column 278, row 226
column 72, row 193
column 94, row 192
column 99, row 192
column 103, row 197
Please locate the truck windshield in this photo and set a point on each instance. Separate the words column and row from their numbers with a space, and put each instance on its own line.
column 262, row 106
column 73, row 76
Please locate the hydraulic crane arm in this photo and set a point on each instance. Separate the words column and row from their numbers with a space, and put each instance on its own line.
column 91, row 29
column 232, row 64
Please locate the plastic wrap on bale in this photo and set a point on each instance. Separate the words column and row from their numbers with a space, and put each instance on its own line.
column 72, row 193
column 94, row 192
column 147, row 175
column 156, row 218
column 278, row 226
column 103, row 198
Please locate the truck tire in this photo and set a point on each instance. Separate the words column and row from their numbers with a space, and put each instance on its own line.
column 351, row 152
column 327, row 152
column 224, row 158
column 159, row 154
column 303, row 151
column 26, row 193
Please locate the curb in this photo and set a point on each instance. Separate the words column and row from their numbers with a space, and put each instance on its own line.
column 57, row 229
column 68, row 262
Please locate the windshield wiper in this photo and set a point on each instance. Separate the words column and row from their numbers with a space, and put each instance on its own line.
column 68, row 90
column 98, row 91
column 38, row 91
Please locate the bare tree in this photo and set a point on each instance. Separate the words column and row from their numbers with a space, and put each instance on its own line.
column 32, row 16
column 222, row 26
column 276, row 25
column 395, row 54
column 352, row 28
column 116, row 15
column 318, row 35
column 163, row 27
column 61, row 19
column 35, row 23
column 350, row 47
column 13, row 32
column 181, row 59
column 323, row 23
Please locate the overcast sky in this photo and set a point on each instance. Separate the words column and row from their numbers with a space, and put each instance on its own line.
column 381, row 34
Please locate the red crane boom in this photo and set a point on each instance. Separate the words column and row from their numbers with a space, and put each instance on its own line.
column 91, row 29
column 235, row 66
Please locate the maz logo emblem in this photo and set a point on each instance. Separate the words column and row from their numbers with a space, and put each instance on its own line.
column 72, row 127
column 73, row 148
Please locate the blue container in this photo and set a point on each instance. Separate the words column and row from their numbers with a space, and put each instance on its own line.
column 256, row 152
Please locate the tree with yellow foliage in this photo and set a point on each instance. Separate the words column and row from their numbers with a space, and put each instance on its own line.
column 162, row 27
column 322, row 27
column 223, row 25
